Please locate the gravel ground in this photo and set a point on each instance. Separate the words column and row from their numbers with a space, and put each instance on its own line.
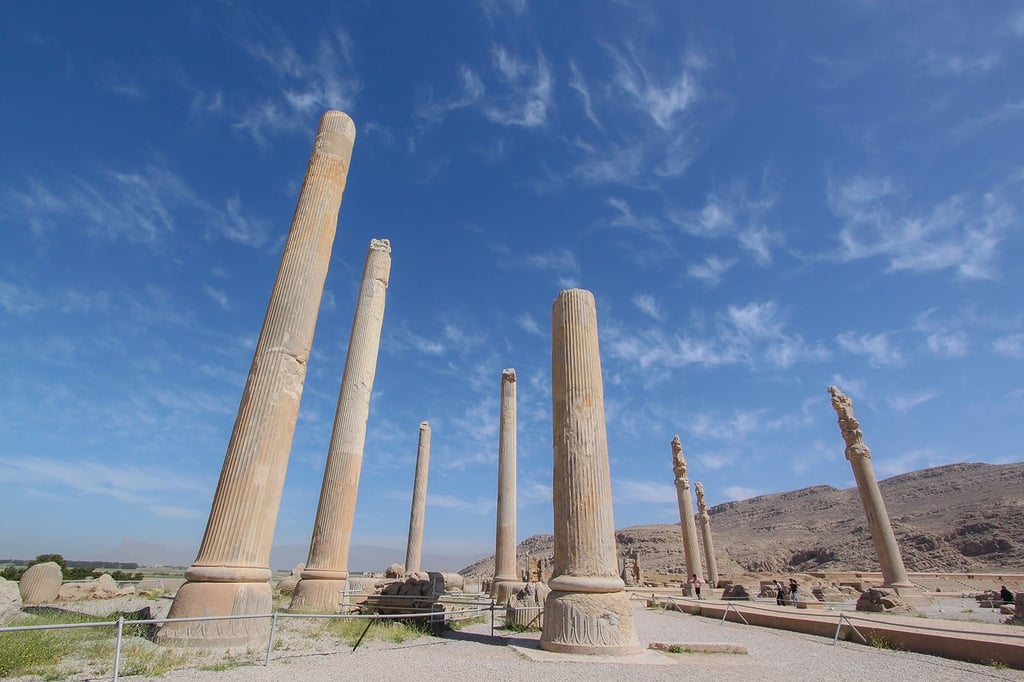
column 471, row 654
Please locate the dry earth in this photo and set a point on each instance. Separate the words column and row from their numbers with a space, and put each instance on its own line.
column 959, row 518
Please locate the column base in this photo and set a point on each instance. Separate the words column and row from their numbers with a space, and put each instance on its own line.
column 195, row 600
column 504, row 591
column 318, row 596
column 592, row 623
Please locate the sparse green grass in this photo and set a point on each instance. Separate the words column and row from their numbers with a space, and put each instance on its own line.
column 675, row 649
column 350, row 629
column 33, row 652
column 459, row 624
column 996, row 663
column 880, row 642
column 149, row 660
column 966, row 610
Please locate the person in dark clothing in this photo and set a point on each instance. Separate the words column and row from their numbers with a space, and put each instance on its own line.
column 792, row 591
column 1006, row 595
column 780, row 594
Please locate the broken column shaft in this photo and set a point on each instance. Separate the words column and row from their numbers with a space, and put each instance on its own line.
column 705, row 532
column 691, row 549
column 323, row 580
column 859, row 455
column 505, row 535
column 231, row 573
column 414, row 548
column 588, row 611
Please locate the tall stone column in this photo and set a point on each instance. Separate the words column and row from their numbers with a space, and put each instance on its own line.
column 690, row 545
column 587, row 611
column 320, row 585
column 505, row 535
column 893, row 572
column 414, row 549
column 231, row 574
column 705, row 531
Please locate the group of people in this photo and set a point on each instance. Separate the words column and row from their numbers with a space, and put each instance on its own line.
column 781, row 591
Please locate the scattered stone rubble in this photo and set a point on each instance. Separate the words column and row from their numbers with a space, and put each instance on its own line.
column 287, row 585
column 103, row 587
column 878, row 599
column 10, row 600
column 525, row 610
column 40, row 583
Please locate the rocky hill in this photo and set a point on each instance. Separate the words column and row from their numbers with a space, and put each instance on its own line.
column 956, row 518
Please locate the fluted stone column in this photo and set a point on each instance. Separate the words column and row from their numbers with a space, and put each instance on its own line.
column 505, row 535
column 705, row 532
column 322, row 581
column 859, row 455
column 414, row 549
column 588, row 610
column 231, row 573
column 690, row 546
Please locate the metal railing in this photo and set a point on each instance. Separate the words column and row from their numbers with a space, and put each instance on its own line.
column 470, row 607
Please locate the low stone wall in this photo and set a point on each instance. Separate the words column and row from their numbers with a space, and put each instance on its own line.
column 972, row 645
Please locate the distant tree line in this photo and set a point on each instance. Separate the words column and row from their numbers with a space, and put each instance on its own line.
column 71, row 570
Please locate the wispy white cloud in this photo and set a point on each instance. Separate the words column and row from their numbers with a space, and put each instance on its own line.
column 560, row 261
column 527, row 96
column 1007, row 111
column 711, row 270
column 950, row 344
column 218, row 296
column 752, row 334
column 303, row 84
column 879, row 349
column 735, row 213
column 649, row 306
column 471, row 90
column 737, row 492
column 479, row 505
column 905, row 403
column 941, row 64
column 577, row 83
column 663, row 101
column 528, row 323
column 125, row 483
column 960, row 233
column 629, row 491
column 22, row 300
column 1012, row 346
column 140, row 206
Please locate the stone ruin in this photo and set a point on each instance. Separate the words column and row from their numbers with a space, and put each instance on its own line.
column 630, row 570
column 41, row 583
column 1018, row 610
column 882, row 599
column 10, row 600
column 588, row 610
column 538, row 570
column 525, row 610
column 103, row 587
column 287, row 585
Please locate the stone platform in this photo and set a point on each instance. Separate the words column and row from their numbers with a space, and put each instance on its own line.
column 964, row 641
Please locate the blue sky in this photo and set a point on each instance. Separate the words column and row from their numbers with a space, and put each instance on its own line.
column 765, row 198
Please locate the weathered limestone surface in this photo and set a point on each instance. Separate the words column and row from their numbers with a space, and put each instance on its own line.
column 705, row 531
column 525, row 606
column 588, row 610
column 103, row 587
column 322, row 582
column 859, row 455
column 414, row 548
column 231, row 574
column 691, row 548
column 10, row 600
column 505, row 535
column 41, row 583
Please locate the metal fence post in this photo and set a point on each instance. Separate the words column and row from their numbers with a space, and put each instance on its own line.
column 117, row 647
column 270, row 641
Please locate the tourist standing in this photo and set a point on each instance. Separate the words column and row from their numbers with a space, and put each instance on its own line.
column 792, row 591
